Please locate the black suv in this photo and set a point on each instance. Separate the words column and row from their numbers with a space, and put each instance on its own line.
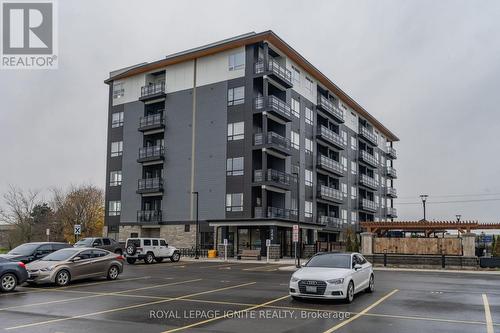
column 102, row 243
column 29, row 252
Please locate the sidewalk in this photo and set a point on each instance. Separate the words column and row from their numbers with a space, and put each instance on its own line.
column 244, row 261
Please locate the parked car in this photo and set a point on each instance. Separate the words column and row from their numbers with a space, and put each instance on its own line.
column 29, row 252
column 333, row 276
column 101, row 243
column 66, row 265
column 150, row 250
column 11, row 274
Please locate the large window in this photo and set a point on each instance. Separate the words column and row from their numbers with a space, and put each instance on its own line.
column 354, row 192
column 235, row 131
column 295, row 108
column 354, row 143
column 309, row 85
column 234, row 202
column 115, row 208
column 308, row 209
column 295, row 75
column 117, row 119
column 116, row 148
column 309, row 178
column 354, row 168
column 309, row 116
column 236, row 61
column 309, row 146
column 295, row 140
column 115, row 178
column 235, row 96
column 118, row 90
column 234, row 166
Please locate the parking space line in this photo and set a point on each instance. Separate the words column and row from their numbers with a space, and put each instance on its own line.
column 265, row 268
column 342, row 324
column 487, row 315
column 236, row 313
column 96, row 294
column 127, row 307
column 219, row 266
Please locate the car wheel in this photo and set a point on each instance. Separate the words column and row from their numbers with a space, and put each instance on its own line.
column 175, row 257
column 63, row 278
column 131, row 260
column 131, row 249
column 350, row 292
column 119, row 252
column 158, row 260
column 8, row 282
column 149, row 258
column 371, row 285
column 113, row 273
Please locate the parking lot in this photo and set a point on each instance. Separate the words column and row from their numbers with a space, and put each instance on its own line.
column 246, row 297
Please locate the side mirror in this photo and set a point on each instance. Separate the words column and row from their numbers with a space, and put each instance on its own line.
column 77, row 258
column 38, row 253
column 357, row 267
column 303, row 264
column 95, row 244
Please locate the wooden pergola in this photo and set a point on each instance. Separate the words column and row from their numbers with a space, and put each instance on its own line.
column 427, row 227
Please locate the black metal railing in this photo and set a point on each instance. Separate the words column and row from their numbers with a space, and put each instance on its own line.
column 368, row 158
column 149, row 216
column 153, row 89
column 331, row 136
column 391, row 192
column 156, row 119
column 151, row 152
column 272, row 139
column 274, row 67
column 191, row 252
column 330, row 164
column 391, row 212
column 368, row 181
column 275, row 212
column 368, row 134
column 391, row 152
column 368, row 205
column 331, row 108
column 391, row 172
column 150, row 184
column 273, row 103
column 330, row 221
column 327, row 192
column 272, row 175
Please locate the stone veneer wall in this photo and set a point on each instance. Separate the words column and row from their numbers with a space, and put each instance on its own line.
column 173, row 234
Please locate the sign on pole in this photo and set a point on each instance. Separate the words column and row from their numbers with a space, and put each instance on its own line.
column 225, row 249
column 268, row 242
column 47, row 232
column 77, row 229
column 268, row 245
column 295, row 233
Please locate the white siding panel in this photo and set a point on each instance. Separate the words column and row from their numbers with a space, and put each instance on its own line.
column 215, row 68
column 132, row 89
column 179, row 77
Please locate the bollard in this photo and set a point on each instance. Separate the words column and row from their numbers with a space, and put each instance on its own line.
column 442, row 261
column 385, row 259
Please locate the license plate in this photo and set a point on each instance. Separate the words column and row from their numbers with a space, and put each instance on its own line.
column 311, row 289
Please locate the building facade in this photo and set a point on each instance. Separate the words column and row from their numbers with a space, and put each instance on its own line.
column 251, row 138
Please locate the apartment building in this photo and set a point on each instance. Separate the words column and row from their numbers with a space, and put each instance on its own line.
column 250, row 137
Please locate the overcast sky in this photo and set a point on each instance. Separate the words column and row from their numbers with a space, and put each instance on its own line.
column 429, row 70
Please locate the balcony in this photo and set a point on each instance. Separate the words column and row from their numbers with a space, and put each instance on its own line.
column 368, row 135
column 331, row 137
column 330, row 194
column 326, row 105
column 274, row 106
column 391, row 212
column 149, row 216
column 275, row 213
column 275, row 71
column 150, row 154
column 273, row 141
column 152, row 122
column 391, row 153
column 367, row 205
column 391, row 192
column 152, row 91
column 368, row 158
column 330, row 165
column 150, row 185
column 391, row 172
column 273, row 178
column 368, row 181
column 330, row 222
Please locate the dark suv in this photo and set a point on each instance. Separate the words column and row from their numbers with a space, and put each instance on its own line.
column 29, row 252
column 102, row 243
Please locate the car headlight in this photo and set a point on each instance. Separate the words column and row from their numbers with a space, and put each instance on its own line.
column 294, row 279
column 47, row 269
column 335, row 281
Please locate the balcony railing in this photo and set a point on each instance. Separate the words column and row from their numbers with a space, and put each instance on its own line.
column 327, row 105
column 368, row 135
column 332, row 137
column 152, row 121
column 331, row 165
column 150, row 185
column 275, row 68
column 275, row 212
column 149, row 216
column 368, row 205
column 391, row 192
column 151, row 153
column 330, row 221
column 272, row 139
column 330, row 193
column 275, row 104
column 391, row 153
column 391, row 212
column 368, row 158
column 153, row 89
column 391, row 172
column 368, row 181
column 273, row 176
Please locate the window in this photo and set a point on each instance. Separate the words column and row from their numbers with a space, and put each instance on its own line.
column 377, row 200
column 234, row 166
column 308, row 209
column 354, row 168
column 382, row 202
column 117, row 119
column 187, row 227
column 376, row 156
column 344, row 189
column 163, row 243
column 234, row 202
column 309, row 116
column 376, row 177
column 116, row 148
column 235, row 96
column 295, row 75
column 295, row 140
column 106, row 241
column 344, row 137
column 382, row 181
column 236, row 61
column 354, row 217
column 235, row 131
column 118, row 90
column 354, row 192
column 344, row 215
column 309, row 178
column 354, row 143
column 115, row 208
column 382, row 160
column 147, row 242
column 155, row 242
column 309, row 85
column 295, row 108
column 344, row 162
column 115, row 178
column 309, row 146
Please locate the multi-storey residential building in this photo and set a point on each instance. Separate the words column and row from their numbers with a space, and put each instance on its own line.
column 248, row 124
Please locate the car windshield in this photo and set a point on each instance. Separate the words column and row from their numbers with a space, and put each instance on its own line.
column 84, row 242
column 61, row 255
column 330, row 261
column 24, row 250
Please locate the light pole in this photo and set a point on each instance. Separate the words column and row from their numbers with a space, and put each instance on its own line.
column 296, row 174
column 424, row 199
column 458, row 217
column 196, row 256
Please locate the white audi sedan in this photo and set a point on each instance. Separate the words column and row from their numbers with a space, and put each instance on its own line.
column 333, row 276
